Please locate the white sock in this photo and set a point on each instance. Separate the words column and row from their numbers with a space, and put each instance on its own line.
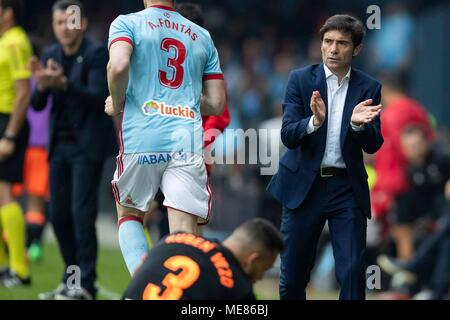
column 133, row 243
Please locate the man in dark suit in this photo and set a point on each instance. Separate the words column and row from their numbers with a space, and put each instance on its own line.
column 330, row 115
column 73, row 73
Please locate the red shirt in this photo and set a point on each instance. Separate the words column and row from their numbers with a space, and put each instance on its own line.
column 216, row 122
column 390, row 163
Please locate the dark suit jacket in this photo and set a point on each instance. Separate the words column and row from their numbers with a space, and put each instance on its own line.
column 301, row 163
column 85, row 99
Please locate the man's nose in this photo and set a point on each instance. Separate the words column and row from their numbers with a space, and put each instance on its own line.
column 333, row 48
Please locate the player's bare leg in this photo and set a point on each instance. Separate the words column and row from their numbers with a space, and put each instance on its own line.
column 132, row 240
column 124, row 212
column 403, row 235
column 182, row 221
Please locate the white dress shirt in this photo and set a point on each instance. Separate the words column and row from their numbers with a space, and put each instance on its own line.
column 336, row 93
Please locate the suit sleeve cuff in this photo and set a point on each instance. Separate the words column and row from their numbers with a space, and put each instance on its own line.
column 357, row 128
column 311, row 127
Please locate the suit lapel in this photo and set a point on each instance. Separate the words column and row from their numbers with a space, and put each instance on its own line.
column 320, row 84
column 351, row 100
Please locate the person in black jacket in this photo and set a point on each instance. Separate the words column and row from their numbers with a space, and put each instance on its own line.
column 73, row 73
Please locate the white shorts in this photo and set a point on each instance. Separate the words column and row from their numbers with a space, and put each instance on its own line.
column 181, row 176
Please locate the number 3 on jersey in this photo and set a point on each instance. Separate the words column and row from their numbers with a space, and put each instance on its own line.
column 175, row 63
column 174, row 283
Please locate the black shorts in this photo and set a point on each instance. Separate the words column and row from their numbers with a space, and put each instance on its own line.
column 11, row 169
column 409, row 207
column 159, row 197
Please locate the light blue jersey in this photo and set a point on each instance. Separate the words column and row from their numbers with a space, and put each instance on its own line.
column 171, row 58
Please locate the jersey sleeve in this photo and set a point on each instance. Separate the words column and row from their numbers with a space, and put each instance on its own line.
column 121, row 30
column 20, row 55
column 212, row 69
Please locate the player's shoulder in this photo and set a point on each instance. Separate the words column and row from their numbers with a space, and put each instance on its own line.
column 16, row 36
column 201, row 32
column 204, row 34
column 129, row 18
column 135, row 15
column 199, row 28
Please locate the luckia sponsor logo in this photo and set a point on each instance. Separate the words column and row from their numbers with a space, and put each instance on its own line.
column 152, row 108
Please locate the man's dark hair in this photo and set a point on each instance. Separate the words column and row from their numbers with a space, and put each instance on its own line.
column 191, row 11
column 347, row 24
column 263, row 232
column 15, row 5
column 64, row 4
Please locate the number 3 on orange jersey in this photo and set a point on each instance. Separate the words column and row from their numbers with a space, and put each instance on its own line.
column 174, row 283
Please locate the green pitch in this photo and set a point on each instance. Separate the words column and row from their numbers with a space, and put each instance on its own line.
column 113, row 276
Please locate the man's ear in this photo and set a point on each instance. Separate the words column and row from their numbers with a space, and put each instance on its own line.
column 253, row 257
column 357, row 50
column 249, row 261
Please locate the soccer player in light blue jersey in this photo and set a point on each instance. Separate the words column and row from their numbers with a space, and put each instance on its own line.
column 163, row 75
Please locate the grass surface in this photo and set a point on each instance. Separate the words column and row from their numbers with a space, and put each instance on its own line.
column 113, row 278
column 46, row 274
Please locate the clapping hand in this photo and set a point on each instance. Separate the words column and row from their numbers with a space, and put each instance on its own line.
column 47, row 77
column 365, row 113
column 318, row 108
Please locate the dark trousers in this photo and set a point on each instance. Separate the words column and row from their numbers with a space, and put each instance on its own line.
column 329, row 199
column 432, row 259
column 74, row 183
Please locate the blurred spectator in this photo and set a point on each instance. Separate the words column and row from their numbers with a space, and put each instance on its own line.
column 429, row 177
column 73, row 72
column 427, row 173
column 429, row 268
column 391, row 48
column 390, row 164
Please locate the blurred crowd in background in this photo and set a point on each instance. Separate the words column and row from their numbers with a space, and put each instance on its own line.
column 259, row 44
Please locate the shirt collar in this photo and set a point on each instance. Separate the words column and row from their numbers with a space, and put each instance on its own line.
column 162, row 7
column 328, row 72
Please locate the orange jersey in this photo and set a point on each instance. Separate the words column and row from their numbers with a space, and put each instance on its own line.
column 188, row 267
